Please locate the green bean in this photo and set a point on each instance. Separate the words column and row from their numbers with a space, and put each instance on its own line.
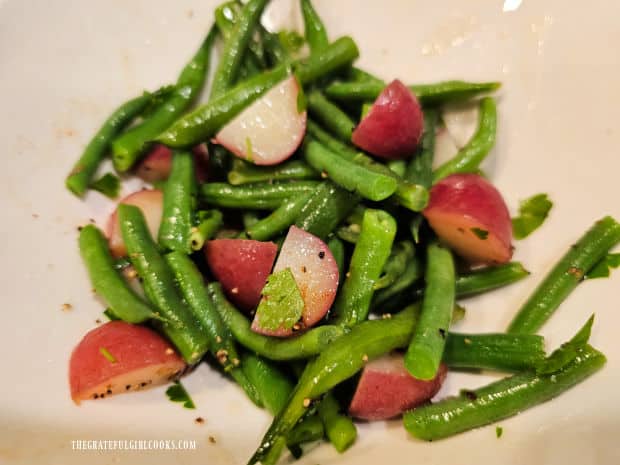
column 178, row 205
column 278, row 220
column 399, row 167
column 428, row 94
column 128, row 147
column 388, row 299
column 327, row 206
column 84, row 169
column 107, row 282
column 503, row 352
column 339, row 361
column 369, row 256
column 221, row 342
column 339, row 429
column 336, row 247
column 235, row 46
column 306, row 345
column 356, row 74
column 565, row 276
column 330, row 115
column 429, row 339
column 180, row 326
column 489, row 278
column 244, row 173
column 209, row 222
column 498, row 400
column 273, row 386
column 348, row 174
column 468, row 159
column 396, row 264
column 314, row 29
column 249, row 218
column 259, row 196
column 308, row 430
column 329, row 141
column 420, row 168
column 206, row 120
column 274, row 51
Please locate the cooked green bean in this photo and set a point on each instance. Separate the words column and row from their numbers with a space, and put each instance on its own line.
column 107, row 282
column 327, row 206
column 178, row 205
column 339, row 429
column 339, row 361
column 128, row 147
column 221, row 342
column 329, row 141
column 84, row 169
column 181, row 327
column 314, row 29
column 279, row 220
column 330, row 115
column 565, row 275
column 338, row 54
column 356, row 74
column 498, row 400
column 503, row 352
column 273, row 386
column 209, row 222
column 420, row 167
column 398, row 166
column 306, row 345
column 244, row 173
column 388, row 299
column 396, row 264
column 428, row 94
column 336, row 247
column 469, row 158
column 369, row 256
column 259, row 196
column 429, row 338
column 308, row 430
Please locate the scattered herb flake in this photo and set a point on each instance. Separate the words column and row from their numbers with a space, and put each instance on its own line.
column 532, row 214
column 603, row 268
column 499, row 431
column 567, row 352
column 106, row 353
column 177, row 393
column 481, row 234
column 282, row 304
column 109, row 185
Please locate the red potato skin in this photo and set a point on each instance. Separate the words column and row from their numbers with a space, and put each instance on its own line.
column 393, row 126
column 142, row 359
column 386, row 389
column 461, row 202
column 157, row 163
column 316, row 273
column 150, row 201
column 242, row 267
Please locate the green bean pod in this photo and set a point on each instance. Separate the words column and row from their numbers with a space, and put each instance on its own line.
column 279, row 220
column 338, row 54
column 330, row 115
column 181, row 327
column 306, row 345
column 308, row 430
column 129, row 146
column 259, row 196
column 498, row 400
column 469, row 158
column 208, row 223
column 107, row 282
column 402, row 254
column 425, row 351
column 245, row 173
column 393, row 297
column 565, row 276
column 489, row 278
column 273, row 386
column 369, row 256
column 314, row 29
column 85, row 168
column 339, row 429
column 336, row 247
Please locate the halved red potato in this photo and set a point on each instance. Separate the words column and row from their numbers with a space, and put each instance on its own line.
column 386, row 389
column 393, row 126
column 469, row 214
column 156, row 164
column 150, row 202
column 270, row 129
column 316, row 273
column 242, row 267
column 120, row 357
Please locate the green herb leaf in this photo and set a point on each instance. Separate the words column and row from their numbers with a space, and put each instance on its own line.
column 499, row 431
column 106, row 353
column 481, row 234
column 603, row 268
column 177, row 393
column 532, row 214
column 567, row 352
column 109, row 185
column 282, row 304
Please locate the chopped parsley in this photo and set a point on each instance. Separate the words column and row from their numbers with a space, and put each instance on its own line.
column 481, row 234
column 177, row 393
column 532, row 214
column 109, row 185
column 106, row 353
column 603, row 268
column 499, row 431
column 282, row 304
column 567, row 352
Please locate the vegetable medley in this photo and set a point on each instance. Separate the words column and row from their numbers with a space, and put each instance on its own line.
column 297, row 231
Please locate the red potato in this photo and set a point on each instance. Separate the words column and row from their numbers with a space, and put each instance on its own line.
column 120, row 357
column 150, row 201
column 316, row 273
column 471, row 217
column 242, row 267
column 393, row 126
column 386, row 389
column 270, row 129
column 156, row 164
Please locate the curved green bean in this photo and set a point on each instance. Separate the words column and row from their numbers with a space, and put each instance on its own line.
column 339, row 429
column 244, row 173
column 396, row 264
column 389, row 299
column 273, row 386
column 259, row 196
column 208, row 223
column 314, row 29
column 279, row 220
column 330, row 115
